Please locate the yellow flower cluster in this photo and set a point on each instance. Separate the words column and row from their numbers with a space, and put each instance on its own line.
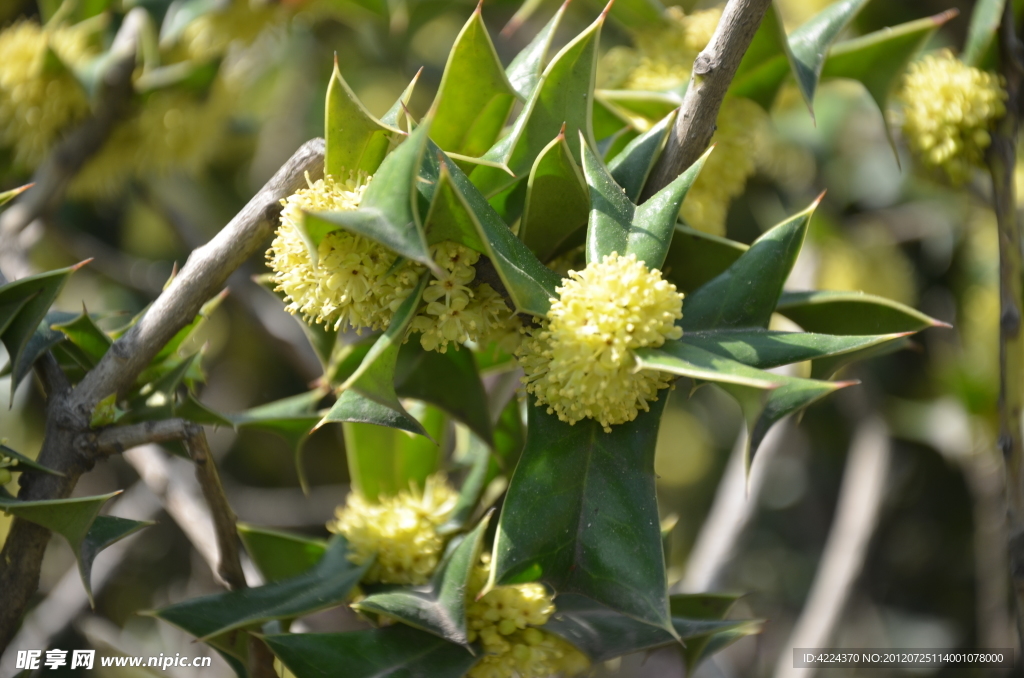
column 504, row 621
column 580, row 361
column 663, row 57
column 355, row 284
column 38, row 101
column 401, row 531
column 742, row 127
column 948, row 110
column 241, row 22
column 173, row 129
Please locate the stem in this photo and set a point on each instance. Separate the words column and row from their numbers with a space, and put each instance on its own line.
column 1002, row 160
column 713, row 71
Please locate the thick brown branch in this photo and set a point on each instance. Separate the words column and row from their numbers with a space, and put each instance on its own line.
column 117, row 439
column 203, row 276
column 1002, row 160
column 713, row 71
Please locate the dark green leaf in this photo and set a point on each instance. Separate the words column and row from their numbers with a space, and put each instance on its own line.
column 474, row 98
column 448, row 380
column 23, row 463
column 280, row 555
column 525, row 70
column 478, row 456
column 985, row 18
column 105, row 531
column 562, row 97
column 557, row 204
column 459, row 212
column 631, row 167
column 356, row 141
column 87, row 337
column 387, row 214
column 581, row 514
column 326, row 585
column 746, row 293
column 851, row 313
column 41, row 341
column 617, row 225
column 439, row 608
column 602, row 633
column 765, row 64
column 384, row 458
column 714, row 607
column 810, row 43
column 23, row 306
column 695, row 257
column 397, row 651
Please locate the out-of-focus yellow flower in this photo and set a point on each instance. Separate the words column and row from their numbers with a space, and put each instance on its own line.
column 948, row 110
column 39, row 102
column 173, row 130
column 400, row 531
column 240, row 22
column 796, row 12
column 741, row 129
column 504, row 621
column 580, row 361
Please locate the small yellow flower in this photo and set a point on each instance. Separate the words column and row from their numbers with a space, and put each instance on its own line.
column 400, row 531
column 352, row 285
column 948, row 110
column 504, row 621
column 38, row 104
column 580, row 361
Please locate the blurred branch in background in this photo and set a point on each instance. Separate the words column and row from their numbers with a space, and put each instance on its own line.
column 860, row 501
column 1002, row 162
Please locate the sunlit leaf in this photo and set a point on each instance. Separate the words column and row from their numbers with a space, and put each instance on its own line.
column 280, row 555
column 830, row 312
column 557, row 204
column 356, row 141
column 985, row 19
column 526, row 68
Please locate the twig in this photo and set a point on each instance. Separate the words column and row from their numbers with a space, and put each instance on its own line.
column 203, row 275
column 860, row 501
column 1002, row 160
column 70, row 155
column 117, row 439
column 712, row 72
column 225, row 522
column 68, row 413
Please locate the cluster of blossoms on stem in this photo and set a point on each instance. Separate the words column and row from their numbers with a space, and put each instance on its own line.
column 401, row 531
column 505, row 620
column 356, row 285
column 948, row 110
column 579, row 361
column 39, row 99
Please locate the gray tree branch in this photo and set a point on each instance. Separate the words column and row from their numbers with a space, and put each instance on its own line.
column 713, row 71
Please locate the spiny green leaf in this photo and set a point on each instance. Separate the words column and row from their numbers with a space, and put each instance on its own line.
column 397, row 651
column 639, row 109
column 764, row 349
column 324, row 586
column 441, row 608
column 562, row 97
column 23, row 306
column 631, row 167
column 78, row 521
column 42, row 340
column 356, row 141
column 384, row 458
column 388, row 213
column 602, row 633
column 695, row 257
column 581, row 514
column 478, row 456
column 7, row 196
column 375, row 376
column 280, row 555
column 526, row 68
column 765, row 64
column 877, row 60
column 617, row 225
column 448, row 380
column 638, row 14
column 398, row 111
column 810, row 43
column 676, row 357
column 851, row 313
column 459, row 212
column 746, row 293
column 712, row 607
column 474, row 98
column 87, row 337
column 985, row 19
column 557, row 204
column 23, row 463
